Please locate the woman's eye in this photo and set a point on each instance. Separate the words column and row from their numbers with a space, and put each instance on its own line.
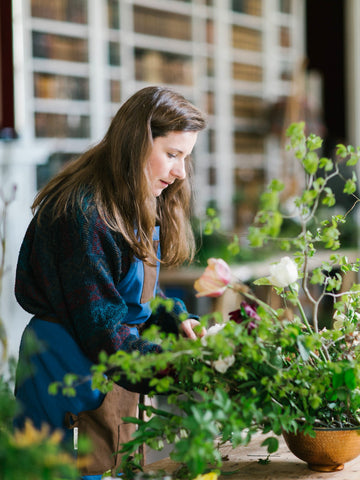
column 171, row 155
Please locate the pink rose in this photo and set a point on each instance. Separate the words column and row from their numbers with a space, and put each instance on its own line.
column 214, row 280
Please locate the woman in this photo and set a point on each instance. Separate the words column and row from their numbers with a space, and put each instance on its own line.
column 89, row 264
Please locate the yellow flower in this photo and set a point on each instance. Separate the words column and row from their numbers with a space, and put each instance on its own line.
column 31, row 435
column 207, row 476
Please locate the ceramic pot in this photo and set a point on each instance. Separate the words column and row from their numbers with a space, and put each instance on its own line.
column 328, row 450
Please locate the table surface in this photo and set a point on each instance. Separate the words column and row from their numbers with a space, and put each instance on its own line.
column 244, row 462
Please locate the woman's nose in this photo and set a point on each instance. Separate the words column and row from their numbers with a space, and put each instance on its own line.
column 178, row 169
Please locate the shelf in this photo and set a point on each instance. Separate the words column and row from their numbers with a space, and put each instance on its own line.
column 59, row 28
column 65, row 125
column 249, row 7
column 54, row 86
column 160, row 23
column 171, row 45
column 59, row 47
column 158, row 67
column 62, row 106
column 183, row 7
column 62, row 10
column 256, row 161
column 59, row 67
column 247, row 56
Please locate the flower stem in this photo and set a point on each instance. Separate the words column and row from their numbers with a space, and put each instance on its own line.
column 301, row 310
column 250, row 296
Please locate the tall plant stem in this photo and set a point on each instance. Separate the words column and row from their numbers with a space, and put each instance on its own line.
column 323, row 352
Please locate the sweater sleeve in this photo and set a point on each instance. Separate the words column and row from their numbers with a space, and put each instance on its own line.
column 70, row 269
column 169, row 321
column 95, row 305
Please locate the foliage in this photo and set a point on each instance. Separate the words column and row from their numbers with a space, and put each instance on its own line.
column 266, row 367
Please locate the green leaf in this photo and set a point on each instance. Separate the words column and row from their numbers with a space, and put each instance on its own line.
column 326, row 163
column 269, row 201
column 350, row 379
column 313, row 142
column 271, row 443
column 311, row 163
column 352, row 160
column 341, row 150
column 308, row 197
column 303, row 350
column 350, row 185
column 338, row 379
column 255, row 237
column 329, row 198
column 317, row 277
column 234, row 246
column 262, row 281
column 69, row 392
column 54, row 388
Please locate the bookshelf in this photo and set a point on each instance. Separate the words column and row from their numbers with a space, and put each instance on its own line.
column 232, row 58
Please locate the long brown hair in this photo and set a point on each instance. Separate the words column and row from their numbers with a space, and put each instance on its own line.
column 114, row 173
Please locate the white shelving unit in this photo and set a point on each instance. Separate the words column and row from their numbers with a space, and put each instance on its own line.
column 82, row 58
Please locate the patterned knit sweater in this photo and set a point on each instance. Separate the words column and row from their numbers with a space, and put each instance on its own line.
column 69, row 269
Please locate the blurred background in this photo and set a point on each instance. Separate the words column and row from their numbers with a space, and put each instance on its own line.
column 254, row 66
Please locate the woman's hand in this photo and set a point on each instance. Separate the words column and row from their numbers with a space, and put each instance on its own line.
column 187, row 327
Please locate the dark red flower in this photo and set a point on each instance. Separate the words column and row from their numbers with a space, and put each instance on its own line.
column 246, row 314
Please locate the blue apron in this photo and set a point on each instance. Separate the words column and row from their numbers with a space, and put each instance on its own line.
column 59, row 354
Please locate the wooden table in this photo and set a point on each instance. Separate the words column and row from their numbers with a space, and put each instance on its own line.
column 243, row 461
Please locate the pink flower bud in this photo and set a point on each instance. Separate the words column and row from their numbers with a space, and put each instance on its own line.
column 214, row 280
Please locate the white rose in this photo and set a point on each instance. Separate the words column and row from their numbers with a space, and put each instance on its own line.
column 283, row 273
column 212, row 331
column 222, row 364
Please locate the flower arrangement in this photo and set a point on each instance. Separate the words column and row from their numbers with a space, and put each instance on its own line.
column 267, row 367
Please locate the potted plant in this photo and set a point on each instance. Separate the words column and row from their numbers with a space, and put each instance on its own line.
column 269, row 367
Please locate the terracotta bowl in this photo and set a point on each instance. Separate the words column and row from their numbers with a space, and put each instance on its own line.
column 328, row 450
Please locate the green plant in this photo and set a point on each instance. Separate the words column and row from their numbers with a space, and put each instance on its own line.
column 268, row 368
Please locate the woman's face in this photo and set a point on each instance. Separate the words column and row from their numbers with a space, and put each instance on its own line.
column 166, row 161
